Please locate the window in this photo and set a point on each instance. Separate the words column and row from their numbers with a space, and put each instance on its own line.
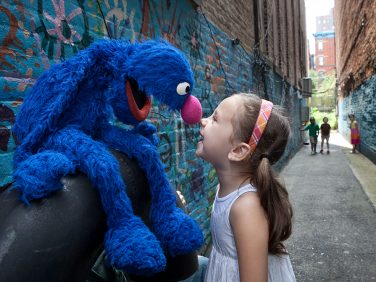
column 321, row 60
column 320, row 45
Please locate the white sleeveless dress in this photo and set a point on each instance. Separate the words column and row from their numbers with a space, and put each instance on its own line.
column 223, row 263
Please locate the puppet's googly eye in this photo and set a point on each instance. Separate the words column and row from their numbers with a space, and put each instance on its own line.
column 183, row 88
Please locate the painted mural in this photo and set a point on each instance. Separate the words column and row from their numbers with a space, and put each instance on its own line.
column 361, row 102
column 36, row 34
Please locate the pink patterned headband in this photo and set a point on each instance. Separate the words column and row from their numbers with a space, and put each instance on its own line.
column 261, row 122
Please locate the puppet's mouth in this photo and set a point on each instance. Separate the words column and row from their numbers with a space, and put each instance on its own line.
column 139, row 103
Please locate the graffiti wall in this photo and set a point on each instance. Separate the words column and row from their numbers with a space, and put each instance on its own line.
column 36, row 34
column 362, row 104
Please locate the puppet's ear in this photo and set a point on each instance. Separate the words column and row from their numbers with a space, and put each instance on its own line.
column 57, row 89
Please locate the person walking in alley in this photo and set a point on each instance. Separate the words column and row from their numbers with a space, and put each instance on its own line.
column 313, row 130
column 325, row 134
column 355, row 135
column 251, row 214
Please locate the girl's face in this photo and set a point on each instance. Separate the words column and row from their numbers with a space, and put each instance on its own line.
column 216, row 132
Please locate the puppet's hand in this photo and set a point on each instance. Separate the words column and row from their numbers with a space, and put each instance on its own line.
column 148, row 130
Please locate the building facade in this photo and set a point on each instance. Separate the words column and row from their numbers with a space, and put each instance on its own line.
column 325, row 57
column 356, row 69
column 232, row 46
column 325, row 23
column 325, row 51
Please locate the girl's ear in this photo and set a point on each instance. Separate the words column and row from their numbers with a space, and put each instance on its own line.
column 239, row 152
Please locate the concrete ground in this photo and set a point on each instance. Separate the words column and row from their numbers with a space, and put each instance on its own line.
column 334, row 200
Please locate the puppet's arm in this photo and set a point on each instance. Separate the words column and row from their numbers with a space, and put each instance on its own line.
column 39, row 175
column 148, row 130
column 115, row 137
column 93, row 159
column 177, row 232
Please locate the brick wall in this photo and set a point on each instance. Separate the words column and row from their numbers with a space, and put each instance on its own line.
column 362, row 104
column 355, row 42
column 356, row 69
column 235, row 18
column 278, row 26
column 33, row 38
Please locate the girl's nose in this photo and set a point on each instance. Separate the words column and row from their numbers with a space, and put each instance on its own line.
column 203, row 121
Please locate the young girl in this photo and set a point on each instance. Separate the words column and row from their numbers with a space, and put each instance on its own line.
column 355, row 136
column 251, row 214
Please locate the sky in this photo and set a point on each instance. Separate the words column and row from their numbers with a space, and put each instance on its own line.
column 315, row 8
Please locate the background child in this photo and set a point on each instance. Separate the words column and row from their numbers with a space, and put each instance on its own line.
column 355, row 135
column 251, row 214
column 313, row 130
column 325, row 134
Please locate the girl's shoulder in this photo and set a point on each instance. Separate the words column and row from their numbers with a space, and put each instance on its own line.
column 245, row 206
column 249, row 220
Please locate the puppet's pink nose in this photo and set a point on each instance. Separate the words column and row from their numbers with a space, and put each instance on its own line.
column 191, row 111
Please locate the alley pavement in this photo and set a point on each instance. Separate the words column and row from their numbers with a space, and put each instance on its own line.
column 334, row 231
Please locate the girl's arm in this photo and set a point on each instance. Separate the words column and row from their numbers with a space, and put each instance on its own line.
column 250, row 227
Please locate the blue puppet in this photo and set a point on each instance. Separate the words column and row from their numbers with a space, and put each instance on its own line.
column 65, row 124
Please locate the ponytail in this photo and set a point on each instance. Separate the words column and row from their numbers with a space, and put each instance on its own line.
column 274, row 199
column 269, row 149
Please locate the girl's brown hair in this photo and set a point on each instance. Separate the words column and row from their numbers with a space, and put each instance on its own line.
column 273, row 194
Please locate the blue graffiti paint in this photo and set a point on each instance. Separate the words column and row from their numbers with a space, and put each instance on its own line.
column 362, row 103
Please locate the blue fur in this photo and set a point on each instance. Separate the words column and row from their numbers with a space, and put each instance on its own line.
column 65, row 125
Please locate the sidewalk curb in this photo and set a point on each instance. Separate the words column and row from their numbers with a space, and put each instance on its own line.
column 365, row 171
